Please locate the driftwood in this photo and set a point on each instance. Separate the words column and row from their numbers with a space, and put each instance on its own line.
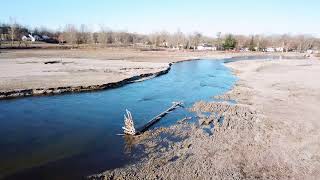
column 129, row 125
column 184, row 120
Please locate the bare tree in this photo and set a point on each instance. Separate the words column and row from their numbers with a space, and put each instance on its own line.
column 284, row 42
column 195, row 40
column 70, row 34
column 94, row 38
column 20, row 32
column 258, row 42
column 61, row 38
column 309, row 43
column 83, row 34
column 13, row 26
column 1, row 36
column 154, row 39
column 164, row 38
column 102, row 36
column 263, row 43
column 243, row 41
column 123, row 38
column 178, row 39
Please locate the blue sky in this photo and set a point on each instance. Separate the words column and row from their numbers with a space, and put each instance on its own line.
column 146, row 16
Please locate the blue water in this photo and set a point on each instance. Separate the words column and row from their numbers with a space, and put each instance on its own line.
column 74, row 135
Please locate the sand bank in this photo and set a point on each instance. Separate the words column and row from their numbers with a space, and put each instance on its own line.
column 46, row 72
column 272, row 131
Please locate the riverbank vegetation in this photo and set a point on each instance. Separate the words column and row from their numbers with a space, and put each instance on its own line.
column 14, row 35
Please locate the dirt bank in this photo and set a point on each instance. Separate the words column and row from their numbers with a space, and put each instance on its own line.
column 271, row 133
column 37, row 76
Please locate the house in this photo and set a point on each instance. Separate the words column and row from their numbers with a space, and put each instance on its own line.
column 177, row 47
column 206, row 47
column 174, row 48
column 45, row 37
column 164, row 44
column 28, row 37
column 38, row 37
column 280, row 49
column 244, row 50
column 270, row 49
column 310, row 51
column 32, row 38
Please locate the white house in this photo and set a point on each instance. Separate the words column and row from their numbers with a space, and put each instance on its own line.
column 270, row 49
column 206, row 47
column 32, row 38
column 28, row 38
column 164, row 44
column 25, row 38
column 244, row 50
column 279, row 49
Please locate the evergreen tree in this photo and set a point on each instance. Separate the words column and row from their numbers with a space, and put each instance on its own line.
column 229, row 43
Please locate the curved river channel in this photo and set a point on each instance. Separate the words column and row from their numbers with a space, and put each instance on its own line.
column 74, row 135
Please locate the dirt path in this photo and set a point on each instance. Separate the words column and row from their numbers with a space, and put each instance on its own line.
column 271, row 133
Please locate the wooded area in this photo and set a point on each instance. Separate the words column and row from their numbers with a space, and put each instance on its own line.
column 83, row 35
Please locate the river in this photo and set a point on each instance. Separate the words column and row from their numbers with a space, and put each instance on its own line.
column 74, row 135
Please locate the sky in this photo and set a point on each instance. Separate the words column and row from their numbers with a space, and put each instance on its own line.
column 147, row 16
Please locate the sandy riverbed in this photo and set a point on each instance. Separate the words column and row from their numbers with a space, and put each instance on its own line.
column 53, row 71
column 37, row 72
column 271, row 133
column 32, row 73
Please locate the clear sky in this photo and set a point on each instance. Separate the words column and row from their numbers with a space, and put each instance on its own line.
column 146, row 16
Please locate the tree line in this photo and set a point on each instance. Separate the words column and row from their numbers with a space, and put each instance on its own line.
column 82, row 35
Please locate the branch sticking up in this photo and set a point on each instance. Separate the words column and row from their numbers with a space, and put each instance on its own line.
column 128, row 124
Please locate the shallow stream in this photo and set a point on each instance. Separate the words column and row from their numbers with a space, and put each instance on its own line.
column 74, row 135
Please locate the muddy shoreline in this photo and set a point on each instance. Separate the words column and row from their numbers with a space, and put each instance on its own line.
column 20, row 93
column 271, row 132
column 193, row 155
column 77, row 89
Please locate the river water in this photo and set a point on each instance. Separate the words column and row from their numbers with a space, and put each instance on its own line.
column 74, row 135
